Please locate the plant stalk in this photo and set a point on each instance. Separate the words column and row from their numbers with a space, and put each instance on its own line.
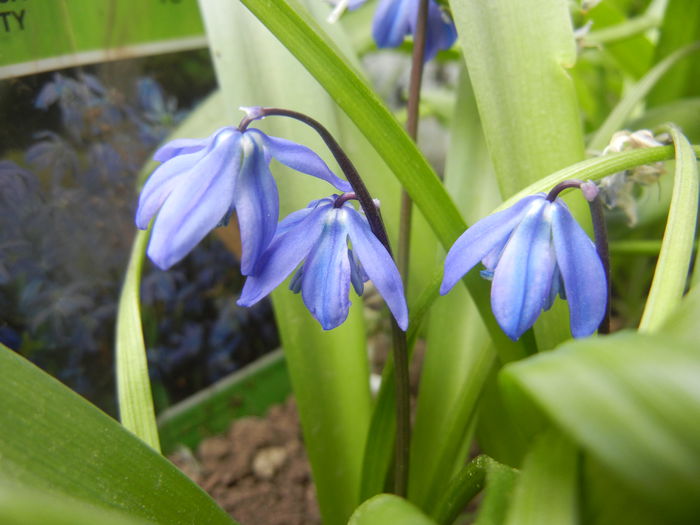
column 417, row 62
column 374, row 218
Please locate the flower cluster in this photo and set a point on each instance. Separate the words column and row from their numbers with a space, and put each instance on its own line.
column 201, row 182
column 533, row 251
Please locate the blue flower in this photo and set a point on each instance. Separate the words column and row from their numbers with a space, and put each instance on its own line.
column 533, row 251
column 201, row 182
column 318, row 235
column 395, row 19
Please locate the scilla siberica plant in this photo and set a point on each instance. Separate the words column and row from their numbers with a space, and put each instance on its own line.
column 592, row 430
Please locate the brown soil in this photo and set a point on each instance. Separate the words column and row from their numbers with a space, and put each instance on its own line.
column 258, row 471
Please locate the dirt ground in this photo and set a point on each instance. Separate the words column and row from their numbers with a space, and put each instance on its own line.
column 257, row 471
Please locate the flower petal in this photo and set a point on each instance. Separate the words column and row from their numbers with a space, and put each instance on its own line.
column 582, row 272
column 479, row 240
column 160, row 184
column 196, row 205
column 378, row 265
column 282, row 256
column 326, row 282
column 301, row 158
column 257, row 205
column 523, row 277
column 293, row 219
column 392, row 21
column 181, row 147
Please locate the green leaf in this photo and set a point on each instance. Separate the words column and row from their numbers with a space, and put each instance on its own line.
column 133, row 384
column 387, row 508
column 627, row 399
column 54, row 441
column 672, row 267
column 546, row 491
column 617, row 118
column 25, row 506
column 517, row 54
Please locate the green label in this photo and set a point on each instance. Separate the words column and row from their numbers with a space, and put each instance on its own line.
column 42, row 35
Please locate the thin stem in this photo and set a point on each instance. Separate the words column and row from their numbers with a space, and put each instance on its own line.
column 403, row 411
column 600, row 231
column 567, row 184
column 417, row 62
column 345, row 197
column 377, row 225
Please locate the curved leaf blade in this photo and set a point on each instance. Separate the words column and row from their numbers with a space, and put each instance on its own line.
column 53, row 440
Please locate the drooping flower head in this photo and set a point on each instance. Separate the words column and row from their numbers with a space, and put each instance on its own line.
column 202, row 181
column 394, row 19
column 533, row 251
column 318, row 235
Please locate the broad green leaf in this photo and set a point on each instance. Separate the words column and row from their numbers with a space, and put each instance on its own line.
column 680, row 27
column 605, row 500
column 328, row 369
column 546, row 491
column 617, row 118
column 387, row 508
column 626, row 399
column 54, row 441
column 517, row 54
column 673, row 264
column 25, row 506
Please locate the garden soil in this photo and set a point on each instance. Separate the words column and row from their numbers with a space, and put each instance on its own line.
column 258, row 471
